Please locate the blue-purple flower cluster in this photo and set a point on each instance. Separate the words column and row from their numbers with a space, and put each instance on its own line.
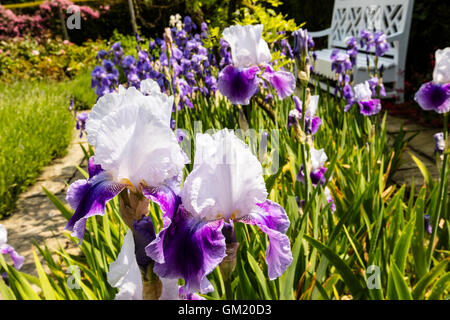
column 342, row 64
column 175, row 66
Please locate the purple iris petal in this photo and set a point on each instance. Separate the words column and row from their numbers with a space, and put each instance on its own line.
column 88, row 198
column 428, row 227
column 282, row 81
column 271, row 218
column 15, row 257
column 316, row 176
column 93, row 168
column 238, row 85
column 434, row 97
column 370, row 107
column 164, row 197
column 315, row 124
column 188, row 248
column 143, row 233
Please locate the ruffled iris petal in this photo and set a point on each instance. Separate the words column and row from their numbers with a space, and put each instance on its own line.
column 188, row 248
column 271, row 218
column 315, row 124
column 89, row 198
column 283, row 81
column 15, row 257
column 434, row 97
column 370, row 107
column 238, row 85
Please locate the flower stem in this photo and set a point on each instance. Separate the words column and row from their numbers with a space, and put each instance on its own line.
column 442, row 201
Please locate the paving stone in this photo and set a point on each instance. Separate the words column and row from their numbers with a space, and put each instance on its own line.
column 424, row 143
column 408, row 163
column 394, row 124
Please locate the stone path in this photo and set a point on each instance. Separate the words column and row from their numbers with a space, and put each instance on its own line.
column 36, row 218
column 421, row 146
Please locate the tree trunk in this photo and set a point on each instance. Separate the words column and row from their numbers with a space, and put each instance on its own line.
column 132, row 15
column 63, row 24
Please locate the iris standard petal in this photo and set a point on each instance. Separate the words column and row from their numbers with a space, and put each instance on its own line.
column 227, row 178
column 134, row 144
column 441, row 72
column 89, row 198
column 238, row 85
column 188, row 248
column 248, row 48
column 157, row 105
column 271, row 218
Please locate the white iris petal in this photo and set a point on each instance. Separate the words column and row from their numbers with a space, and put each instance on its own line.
column 132, row 136
column 248, row 48
column 441, row 72
column 227, row 178
column 124, row 273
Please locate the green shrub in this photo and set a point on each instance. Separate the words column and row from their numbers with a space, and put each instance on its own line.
column 50, row 59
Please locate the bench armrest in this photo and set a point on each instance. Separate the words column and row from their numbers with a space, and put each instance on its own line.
column 394, row 37
column 321, row 33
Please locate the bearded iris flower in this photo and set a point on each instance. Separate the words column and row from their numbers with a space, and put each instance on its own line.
column 239, row 81
column 435, row 95
column 133, row 143
column 312, row 123
column 363, row 95
column 191, row 244
column 318, row 170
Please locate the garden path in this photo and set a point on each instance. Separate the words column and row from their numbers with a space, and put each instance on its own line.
column 37, row 219
column 421, row 146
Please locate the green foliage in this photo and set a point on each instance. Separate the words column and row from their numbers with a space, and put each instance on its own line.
column 263, row 11
column 49, row 59
column 36, row 128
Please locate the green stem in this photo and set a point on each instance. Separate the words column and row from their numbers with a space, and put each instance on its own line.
column 303, row 148
column 442, row 201
column 228, row 290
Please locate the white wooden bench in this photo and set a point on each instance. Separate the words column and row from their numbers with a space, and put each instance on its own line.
column 393, row 17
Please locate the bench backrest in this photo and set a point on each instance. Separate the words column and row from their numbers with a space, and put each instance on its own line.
column 390, row 16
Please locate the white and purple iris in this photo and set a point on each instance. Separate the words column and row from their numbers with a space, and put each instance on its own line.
column 5, row 248
column 133, row 143
column 318, row 169
column 363, row 96
column 312, row 122
column 225, row 185
column 435, row 95
column 250, row 54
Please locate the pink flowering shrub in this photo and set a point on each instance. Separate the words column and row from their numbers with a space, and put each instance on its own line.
column 45, row 20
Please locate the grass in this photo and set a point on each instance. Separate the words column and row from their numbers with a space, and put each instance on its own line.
column 35, row 128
